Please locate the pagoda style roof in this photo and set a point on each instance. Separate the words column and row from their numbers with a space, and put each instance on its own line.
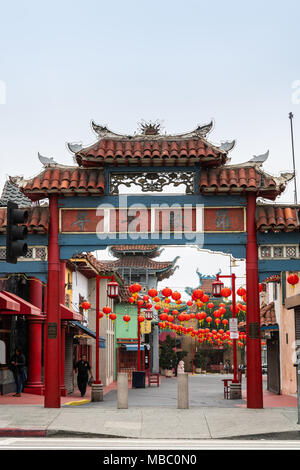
column 277, row 218
column 239, row 179
column 151, row 251
column 267, row 316
column 162, row 269
column 151, row 148
column 68, row 181
column 38, row 220
column 11, row 192
column 89, row 266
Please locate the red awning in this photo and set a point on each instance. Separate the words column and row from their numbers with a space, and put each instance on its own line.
column 68, row 314
column 6, row 303
column 24, row 308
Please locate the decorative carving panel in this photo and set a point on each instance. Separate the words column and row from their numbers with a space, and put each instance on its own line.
column 153, row 181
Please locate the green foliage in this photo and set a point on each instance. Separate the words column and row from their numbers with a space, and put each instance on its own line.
column 167, row 355
column 168, row 358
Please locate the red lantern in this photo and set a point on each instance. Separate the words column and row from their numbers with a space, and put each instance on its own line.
column 131, row 300
column 176, row 296
column 241, row 291
column 260, row 287
column 209, row 319
column 166, row 292
column 146, row 298
column 100, row 315
column 134, row 288
column 181, row 317
column 293, row 279
column 85, row 305
column 140, row 303
column 113, row 317
column 126, row 318
column 205, row 298
column 152, row 293
column 226, row 292
column 106, row 310
column 157, row 307
column 141, row 319
column 189, row 303
column 163, row 316
column 198, row 294
column 210, row 305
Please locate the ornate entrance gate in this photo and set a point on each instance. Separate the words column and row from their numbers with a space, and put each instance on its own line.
column 218, row 211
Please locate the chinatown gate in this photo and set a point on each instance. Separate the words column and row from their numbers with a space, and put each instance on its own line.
column 219, row 211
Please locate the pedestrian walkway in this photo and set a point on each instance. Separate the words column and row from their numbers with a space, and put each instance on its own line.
column 152, row 413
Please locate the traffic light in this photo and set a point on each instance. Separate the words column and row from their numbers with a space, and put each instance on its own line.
column 16, row 233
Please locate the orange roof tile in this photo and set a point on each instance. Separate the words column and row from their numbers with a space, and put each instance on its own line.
column 66, row 181
column 38, row 220
column 277, row 218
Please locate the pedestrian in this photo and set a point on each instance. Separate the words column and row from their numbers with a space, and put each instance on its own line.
column 18, row 368
column 83, row 370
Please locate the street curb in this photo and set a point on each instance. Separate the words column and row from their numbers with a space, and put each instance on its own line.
column 19, row 432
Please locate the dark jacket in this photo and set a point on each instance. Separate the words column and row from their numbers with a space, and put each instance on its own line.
column 20, row 363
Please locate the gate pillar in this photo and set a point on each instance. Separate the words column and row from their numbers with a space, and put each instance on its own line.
column 254, row 372
column 52, row 339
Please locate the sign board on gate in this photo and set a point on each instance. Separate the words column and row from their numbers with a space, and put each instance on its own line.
column 233, row 327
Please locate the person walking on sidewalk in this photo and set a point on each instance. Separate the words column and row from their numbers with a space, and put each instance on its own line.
column 83, row 370
column 18, row 368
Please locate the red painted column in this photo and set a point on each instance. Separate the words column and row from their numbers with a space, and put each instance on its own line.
column 254, row 374
column 34, row 383
column 139, row 340
column 97, row 381
column 52, row 339
column 63, row 328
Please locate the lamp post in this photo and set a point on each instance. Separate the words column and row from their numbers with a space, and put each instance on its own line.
column 217, row 289
column 112, row 292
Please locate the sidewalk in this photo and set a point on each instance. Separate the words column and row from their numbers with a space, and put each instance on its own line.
column 26, row 416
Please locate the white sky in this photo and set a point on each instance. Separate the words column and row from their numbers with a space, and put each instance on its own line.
column 65, row 63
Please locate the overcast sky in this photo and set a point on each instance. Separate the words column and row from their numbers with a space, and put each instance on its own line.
column 65, row 63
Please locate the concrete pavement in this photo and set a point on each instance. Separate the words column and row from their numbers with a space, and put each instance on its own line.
column 153, row 414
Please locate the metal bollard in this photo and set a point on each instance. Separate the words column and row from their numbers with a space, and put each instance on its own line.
column 183, row 391
column 122, row 390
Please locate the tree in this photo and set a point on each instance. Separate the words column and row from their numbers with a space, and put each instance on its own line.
column 167, row 355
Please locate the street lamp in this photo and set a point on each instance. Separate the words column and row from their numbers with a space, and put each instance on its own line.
column 148, row 314
column 217, row 287
column 113, row 290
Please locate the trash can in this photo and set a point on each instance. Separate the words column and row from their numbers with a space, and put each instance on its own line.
column 138, row 379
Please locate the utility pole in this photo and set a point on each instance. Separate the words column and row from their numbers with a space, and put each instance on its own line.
column 293, row 153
